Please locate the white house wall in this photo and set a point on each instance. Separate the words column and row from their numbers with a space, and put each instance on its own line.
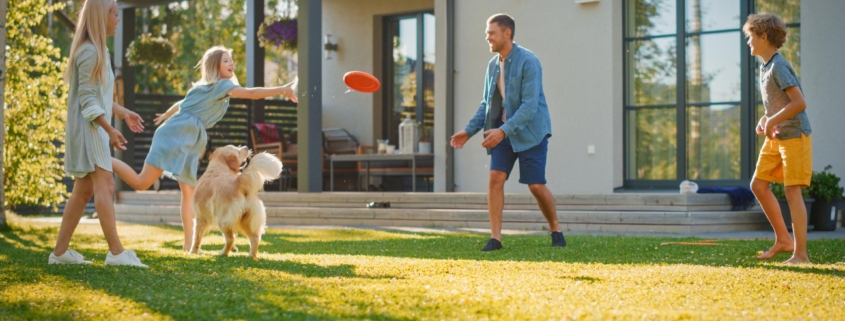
column 579, row 47
column 822, row 78
column 351, row 24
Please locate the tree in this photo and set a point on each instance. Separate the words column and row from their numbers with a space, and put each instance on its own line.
column 223, row 23
column 35, row 111
column 192, row 29
column 3, row 4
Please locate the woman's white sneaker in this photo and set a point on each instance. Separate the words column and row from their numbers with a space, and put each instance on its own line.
column 128, row 257
column 70, row 257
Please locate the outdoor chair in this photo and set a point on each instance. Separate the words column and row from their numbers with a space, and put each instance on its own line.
column 270, row 138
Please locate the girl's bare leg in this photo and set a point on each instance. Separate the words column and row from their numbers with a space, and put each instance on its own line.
column 187, row 214
column 83, row 190
column 104, row 203
column 138, row 181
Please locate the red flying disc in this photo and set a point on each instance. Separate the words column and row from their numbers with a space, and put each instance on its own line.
column 361, row 81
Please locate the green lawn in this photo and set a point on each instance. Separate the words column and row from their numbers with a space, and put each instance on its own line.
column 354, row 274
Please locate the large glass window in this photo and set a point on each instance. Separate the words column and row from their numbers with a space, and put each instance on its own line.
column 691, row 97
column 410, row 72
column 713, row 41
column 651, row 89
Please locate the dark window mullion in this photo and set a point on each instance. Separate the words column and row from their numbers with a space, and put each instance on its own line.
column 387, row 48
column 650, row 107
column 625, row 80
column 681, row 95
column 710, row 32
column 648, row 37
column 747, row 138
column 419, row 69
column 711, row 103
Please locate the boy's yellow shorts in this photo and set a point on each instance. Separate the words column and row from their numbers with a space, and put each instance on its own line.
column 788, row 161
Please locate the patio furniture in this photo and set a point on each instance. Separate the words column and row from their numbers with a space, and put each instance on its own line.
column 336, row 141
column 270, row 138
column 371, row 164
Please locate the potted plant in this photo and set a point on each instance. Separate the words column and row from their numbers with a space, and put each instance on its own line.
column 425, row 140
column 150, row 51
column 777, row 189
column 279, row 32
column 825, row 189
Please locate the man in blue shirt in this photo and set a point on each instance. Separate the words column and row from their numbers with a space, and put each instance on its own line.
column 516, row 123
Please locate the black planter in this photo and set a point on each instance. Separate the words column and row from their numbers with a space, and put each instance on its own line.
column 824, row 214
column 787, row 217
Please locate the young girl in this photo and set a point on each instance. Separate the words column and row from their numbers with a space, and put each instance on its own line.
column 180, row 142
column 89, row 134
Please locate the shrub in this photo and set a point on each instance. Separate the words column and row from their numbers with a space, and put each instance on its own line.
column 825, row 185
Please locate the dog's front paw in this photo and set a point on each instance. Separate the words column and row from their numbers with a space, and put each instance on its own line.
column 254, row 258
column 234, row 249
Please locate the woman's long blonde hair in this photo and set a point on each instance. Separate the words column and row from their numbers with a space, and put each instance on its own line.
column 91, row 27
column 209, row 66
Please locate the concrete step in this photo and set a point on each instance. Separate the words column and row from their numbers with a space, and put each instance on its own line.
column 610, row 202
column 582, row 221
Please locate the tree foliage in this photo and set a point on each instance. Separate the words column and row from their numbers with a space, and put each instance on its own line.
column 35, row 110
column 196, row 26
column 192, row 29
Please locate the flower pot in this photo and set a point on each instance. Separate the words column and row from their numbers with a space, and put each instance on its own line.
column 824, row 214
column 425, row 147
column 787, row 216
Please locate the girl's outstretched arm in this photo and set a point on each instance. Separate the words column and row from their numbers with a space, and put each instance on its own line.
column 160, row 118
column 264, row 92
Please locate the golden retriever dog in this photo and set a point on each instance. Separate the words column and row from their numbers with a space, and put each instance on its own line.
column 229, row 198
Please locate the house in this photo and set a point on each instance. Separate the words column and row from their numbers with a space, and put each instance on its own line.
column 642, row 94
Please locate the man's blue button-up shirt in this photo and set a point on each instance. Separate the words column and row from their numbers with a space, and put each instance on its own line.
column 526, row 113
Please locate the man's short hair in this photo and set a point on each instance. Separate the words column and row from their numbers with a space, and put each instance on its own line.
column 505, row 21
column 767, row 23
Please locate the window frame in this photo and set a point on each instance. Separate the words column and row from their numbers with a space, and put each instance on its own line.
column 747, row 103
column 388, row 68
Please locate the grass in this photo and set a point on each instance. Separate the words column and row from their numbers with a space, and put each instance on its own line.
column 381, row 275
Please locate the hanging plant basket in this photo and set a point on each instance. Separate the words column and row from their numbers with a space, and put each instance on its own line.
column 150, row 51
column 278, row 32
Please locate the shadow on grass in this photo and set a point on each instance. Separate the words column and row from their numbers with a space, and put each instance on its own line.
column 181, row 287
column 31, row 311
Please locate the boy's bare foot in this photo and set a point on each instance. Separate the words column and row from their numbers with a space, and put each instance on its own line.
column 777, row 248
column 797, row 260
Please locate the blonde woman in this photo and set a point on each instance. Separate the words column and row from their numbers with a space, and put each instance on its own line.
column 89, row 134
column 180, row 142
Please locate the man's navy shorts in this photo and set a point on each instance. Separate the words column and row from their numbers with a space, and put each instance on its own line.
column 532, row 162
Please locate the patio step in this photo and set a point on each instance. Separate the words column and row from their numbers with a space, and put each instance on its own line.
column 600, row 202
column 647, row 213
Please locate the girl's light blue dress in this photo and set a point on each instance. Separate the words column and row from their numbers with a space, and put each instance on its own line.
column 180, row 142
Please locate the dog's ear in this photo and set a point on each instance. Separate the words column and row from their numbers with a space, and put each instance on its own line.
column 233, row 162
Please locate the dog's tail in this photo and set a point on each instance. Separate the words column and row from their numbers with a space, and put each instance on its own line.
column 263, row 167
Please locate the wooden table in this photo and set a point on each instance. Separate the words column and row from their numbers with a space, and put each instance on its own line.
column 367, row 158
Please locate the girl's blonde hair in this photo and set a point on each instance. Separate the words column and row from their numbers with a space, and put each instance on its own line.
column 209, row 66
column 91, row 27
